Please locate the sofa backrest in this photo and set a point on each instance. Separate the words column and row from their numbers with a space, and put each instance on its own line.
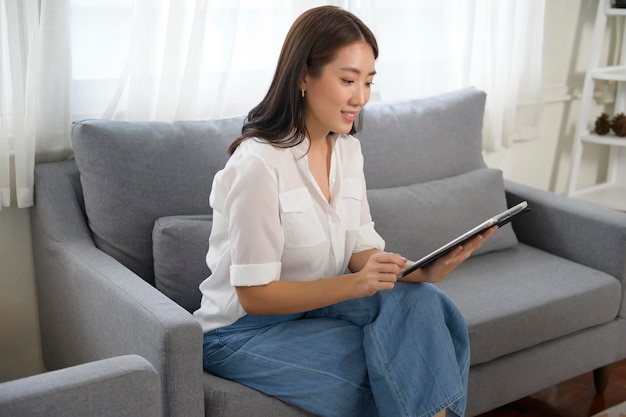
column 426, row 178
column 146, row 184
column 415, row 141
column 133, row 173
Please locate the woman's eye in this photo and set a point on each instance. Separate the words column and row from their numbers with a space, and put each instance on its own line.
column 350, row 82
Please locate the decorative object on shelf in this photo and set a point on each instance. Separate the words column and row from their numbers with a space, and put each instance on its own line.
column 619, row 125
column 603, row 124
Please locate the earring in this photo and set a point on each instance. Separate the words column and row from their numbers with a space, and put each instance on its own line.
column 303, row 91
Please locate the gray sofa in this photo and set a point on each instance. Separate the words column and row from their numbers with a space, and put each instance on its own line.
column 120, row 235
column 123, row 386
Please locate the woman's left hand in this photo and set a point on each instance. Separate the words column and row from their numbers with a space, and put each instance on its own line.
column 442, row 267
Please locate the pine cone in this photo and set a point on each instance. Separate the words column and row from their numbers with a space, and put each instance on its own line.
column 619, row 125
column 603, row 124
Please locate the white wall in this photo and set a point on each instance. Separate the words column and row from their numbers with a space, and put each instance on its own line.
column 543, row 163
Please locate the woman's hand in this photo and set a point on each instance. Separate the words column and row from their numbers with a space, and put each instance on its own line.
column 379, row 273
column 442, row 267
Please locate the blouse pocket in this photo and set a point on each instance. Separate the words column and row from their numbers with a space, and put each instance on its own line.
column 301, row 226
column 351, row 198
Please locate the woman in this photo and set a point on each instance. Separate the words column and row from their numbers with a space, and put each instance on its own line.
column 290, row 216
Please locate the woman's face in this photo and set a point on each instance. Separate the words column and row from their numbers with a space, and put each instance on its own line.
column 333, row 100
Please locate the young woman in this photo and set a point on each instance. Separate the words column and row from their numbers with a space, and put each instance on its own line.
column 290, row 216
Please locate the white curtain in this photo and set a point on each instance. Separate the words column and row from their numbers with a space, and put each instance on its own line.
column 429, row 47
column 35, row 95
column 172, row 59
column 197, row 59
column 19, row 23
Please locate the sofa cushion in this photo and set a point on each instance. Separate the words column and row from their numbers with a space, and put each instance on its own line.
column 226, row 398
column 416, row 219
column 180, row 245
column 414, row 141
column 522, row 296
column 132, row 173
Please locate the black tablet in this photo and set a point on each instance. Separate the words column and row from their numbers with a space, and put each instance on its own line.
column 499, row 220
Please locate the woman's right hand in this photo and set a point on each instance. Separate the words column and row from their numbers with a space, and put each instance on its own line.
column 379, row 273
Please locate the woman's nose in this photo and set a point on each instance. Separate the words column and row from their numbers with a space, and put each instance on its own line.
column 360, row 96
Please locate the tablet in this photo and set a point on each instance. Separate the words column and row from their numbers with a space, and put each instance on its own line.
column 498, row 220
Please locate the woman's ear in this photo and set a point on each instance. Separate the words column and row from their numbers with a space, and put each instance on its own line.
column 303, row 79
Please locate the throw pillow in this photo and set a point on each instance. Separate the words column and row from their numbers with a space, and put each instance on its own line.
column 179, row 245
column 416, row 219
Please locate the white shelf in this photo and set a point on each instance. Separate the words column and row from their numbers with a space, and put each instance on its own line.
column 615, row 11
column 608, row 139
column 612, row 192
column 611, row 196
column 613, row 73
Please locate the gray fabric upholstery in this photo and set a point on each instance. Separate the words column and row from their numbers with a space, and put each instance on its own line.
column 219, row 394
column 584, row 233
column 416, row 219
column 413, row 141
column 124, row 386
column 180, row 245
column 509, row 378
column 521, row 297
column 540, row 311
column 146, row 171
column 91, row 307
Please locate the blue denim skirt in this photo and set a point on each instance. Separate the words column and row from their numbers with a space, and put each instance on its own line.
column 401, row 352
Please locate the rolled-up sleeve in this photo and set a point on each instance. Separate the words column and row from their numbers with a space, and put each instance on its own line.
column 368, row 238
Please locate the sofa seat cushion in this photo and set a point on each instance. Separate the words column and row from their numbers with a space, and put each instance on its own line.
column 520, row 297
column 229, row 399
column 416, row 219
column 179, row 246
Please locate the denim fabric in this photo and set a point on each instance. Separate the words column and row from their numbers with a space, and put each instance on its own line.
column 402, row 352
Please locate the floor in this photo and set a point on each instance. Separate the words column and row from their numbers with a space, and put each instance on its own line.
column 573, row 398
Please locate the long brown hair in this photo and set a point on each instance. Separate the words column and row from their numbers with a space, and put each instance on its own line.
column 312, row 42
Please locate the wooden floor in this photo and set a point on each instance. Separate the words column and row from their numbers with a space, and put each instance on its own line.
column 573, row 398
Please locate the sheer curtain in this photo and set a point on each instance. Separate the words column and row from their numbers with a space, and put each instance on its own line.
column 19, row 23
column 179, row 59
column 35, row 111
column 429, row 47
column 197, row 59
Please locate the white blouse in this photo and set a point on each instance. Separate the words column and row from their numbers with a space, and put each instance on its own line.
column 271, row 222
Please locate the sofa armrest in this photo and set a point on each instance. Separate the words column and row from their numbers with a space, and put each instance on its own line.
column 115, row 387
column 582, row 232
column 91, row 307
